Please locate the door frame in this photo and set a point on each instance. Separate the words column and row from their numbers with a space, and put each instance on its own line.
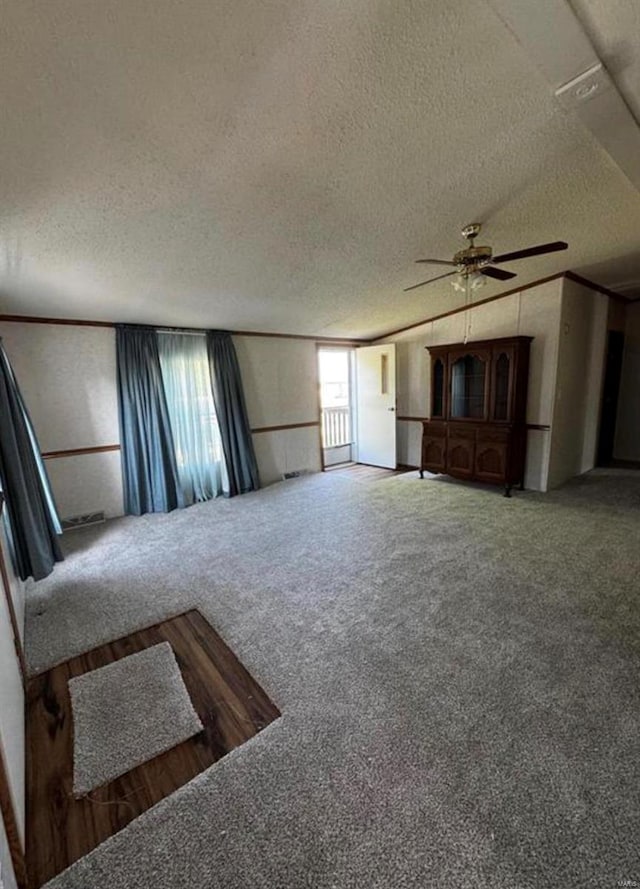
column 8, row 814
column 350, row 348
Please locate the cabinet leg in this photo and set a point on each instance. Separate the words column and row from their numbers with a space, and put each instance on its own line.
column 421, row 473
column 507, row 490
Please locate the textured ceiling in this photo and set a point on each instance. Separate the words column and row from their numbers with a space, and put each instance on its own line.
column 279, row 166
column 613, row 27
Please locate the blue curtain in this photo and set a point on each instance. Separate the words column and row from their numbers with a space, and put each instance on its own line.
column 231, row 411
column 187, row 386
column 33, row 519
column 149, row 468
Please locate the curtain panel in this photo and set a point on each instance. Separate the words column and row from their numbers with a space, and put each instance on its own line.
column 149, row 467
column 187, row 385
column 33, row 518
column 231, row 411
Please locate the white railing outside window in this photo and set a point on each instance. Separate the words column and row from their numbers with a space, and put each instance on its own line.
column 336, row 427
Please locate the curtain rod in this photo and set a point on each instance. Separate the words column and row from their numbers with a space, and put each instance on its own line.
column 192, row 331
column 179, row 331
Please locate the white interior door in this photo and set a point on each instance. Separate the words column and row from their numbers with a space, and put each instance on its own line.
column 376, row 405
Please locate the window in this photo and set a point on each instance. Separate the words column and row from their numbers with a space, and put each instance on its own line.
column 187, row 385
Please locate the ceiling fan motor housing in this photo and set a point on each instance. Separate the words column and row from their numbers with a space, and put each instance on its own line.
column 473, row 257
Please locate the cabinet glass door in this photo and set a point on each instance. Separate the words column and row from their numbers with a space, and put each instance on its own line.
column 468, row 384
column 503, row 369
column 501, row 408
column 437, row 402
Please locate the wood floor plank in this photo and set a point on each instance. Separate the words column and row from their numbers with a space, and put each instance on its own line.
column 230, row 703
column 363, row 472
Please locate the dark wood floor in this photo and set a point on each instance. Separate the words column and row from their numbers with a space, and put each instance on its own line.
column 365, row 473
column 231, row 705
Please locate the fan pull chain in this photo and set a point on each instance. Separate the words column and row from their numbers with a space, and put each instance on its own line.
column 467, row 314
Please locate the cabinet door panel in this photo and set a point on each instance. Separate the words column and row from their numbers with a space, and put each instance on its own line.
column 434, row 446
column 491, row 461
column 460, row 457
column 434, row 454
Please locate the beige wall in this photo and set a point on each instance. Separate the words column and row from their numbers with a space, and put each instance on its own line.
column 67, row 376
column 534, row 312
column 576, row 407
column 280, row 378
column 627, row 441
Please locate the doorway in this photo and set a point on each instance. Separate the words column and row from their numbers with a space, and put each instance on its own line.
column 610, row 391
column 335, row 373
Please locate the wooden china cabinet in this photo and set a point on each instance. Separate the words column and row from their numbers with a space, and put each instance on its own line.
column 478, row 429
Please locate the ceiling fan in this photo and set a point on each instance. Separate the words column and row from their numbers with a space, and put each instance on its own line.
column 473, row 262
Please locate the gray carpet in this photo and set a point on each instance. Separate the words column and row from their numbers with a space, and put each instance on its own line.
column 126, row 713
column 458, row 675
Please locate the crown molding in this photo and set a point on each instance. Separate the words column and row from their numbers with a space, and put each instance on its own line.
column 350, row 341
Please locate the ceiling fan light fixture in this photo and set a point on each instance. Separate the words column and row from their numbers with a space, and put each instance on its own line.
column 471, row 279
column 476, row 280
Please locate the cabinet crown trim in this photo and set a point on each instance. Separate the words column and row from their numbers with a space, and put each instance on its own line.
column 481, row 344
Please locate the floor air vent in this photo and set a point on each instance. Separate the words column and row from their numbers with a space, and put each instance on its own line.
column 296, row 473
column 79, row 521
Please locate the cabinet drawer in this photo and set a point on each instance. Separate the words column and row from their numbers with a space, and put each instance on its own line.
column 494, row 433
column 462, row 431
column 433, row 430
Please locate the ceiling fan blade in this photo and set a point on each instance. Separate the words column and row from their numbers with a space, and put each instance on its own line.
column 430, row 281
column 532, row 251
column 437, row 261
column 500, row 274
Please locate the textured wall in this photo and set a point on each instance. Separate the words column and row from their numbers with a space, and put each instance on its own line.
column 67, row 376
column 536, row 313
column 86, row 483
column 576, row 411
column 280, row 378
